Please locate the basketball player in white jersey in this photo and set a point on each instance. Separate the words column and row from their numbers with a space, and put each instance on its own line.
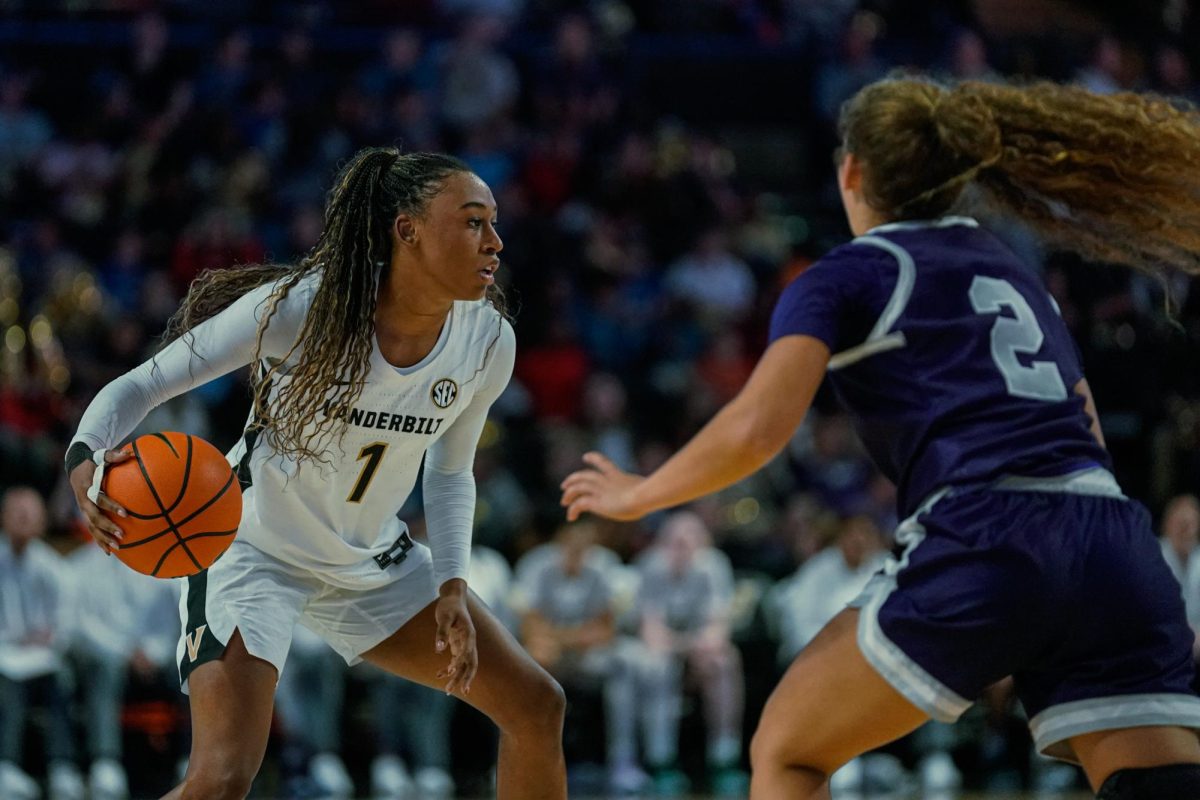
column 383, row 347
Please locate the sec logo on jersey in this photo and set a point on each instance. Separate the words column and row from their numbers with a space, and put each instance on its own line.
column 444, row 392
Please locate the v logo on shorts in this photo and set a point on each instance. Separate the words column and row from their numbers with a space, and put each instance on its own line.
column 192, row 642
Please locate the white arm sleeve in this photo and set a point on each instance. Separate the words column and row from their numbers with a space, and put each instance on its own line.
column 449, row 483
column 214, row 347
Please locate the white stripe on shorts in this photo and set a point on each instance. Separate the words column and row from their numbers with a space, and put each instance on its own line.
column 1055, row 725
column 905, row 675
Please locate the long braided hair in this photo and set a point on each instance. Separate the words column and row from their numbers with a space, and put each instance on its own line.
column 1113, row 177
column 336, row 339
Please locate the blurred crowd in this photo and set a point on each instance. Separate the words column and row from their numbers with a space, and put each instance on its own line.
column 662, row 169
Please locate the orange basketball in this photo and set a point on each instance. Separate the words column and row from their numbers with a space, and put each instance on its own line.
column 183, row 501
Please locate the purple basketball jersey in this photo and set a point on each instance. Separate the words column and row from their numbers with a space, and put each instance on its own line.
column 949, row 354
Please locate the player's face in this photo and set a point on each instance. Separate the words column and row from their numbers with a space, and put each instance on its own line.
column 456, row 240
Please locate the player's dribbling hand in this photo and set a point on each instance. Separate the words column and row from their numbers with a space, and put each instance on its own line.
column 605, row 490
column 456, row 631
column 106, row 532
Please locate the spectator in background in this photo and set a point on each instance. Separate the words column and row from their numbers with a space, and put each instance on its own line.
column 123, row 273
column 527, row 573
column 507, row 10
column 308, row 702
column 146, row 64
column 1103, row 73
column 42, row 256
column 302, row 79
column 550, row 169
column 718, row 284
column 491, row 578
column 502, row 507
column 569, row 628
column 1181, row 548
column 412, row 121
column 969, row 58
column 412, row 729
column 491, row 151
column 554, row 372
column 724, row 368
column 1173, row 74
column 395, row 70
column 618, row 322
column 816, row 22
column 856, row 66
column 604, row 410
column 478, row 83
column 835, row 467
column 221, row 84
column 34, row 626
column 805, row 527
column 825, row 584
column 572, row 89
column 79, row 172
column 24, row 131
column 32, row 412
column 220, row 238
column 682, row 612
column 126, row 630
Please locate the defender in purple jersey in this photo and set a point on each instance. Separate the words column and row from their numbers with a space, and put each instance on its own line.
column 1019, row 554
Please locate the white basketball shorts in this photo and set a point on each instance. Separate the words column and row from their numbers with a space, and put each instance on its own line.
column 255, row 593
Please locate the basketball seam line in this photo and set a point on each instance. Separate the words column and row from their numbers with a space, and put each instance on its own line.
column 187, row 474
column 187, row 470
column 184, row 539
column 166, row 515
column 203, row 535
column 220, row 493
column 167, row 442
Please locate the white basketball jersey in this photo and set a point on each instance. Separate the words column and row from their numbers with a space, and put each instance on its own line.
column 339, row 518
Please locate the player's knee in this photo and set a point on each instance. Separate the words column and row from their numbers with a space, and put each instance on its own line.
column 552, row 700
column 1172, row 782
column 541, row 707
column 764, row 749
column 218, row 781
column 771, row 750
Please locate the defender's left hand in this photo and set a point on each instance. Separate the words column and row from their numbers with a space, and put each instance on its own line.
column 606, row 490
column 456, row 631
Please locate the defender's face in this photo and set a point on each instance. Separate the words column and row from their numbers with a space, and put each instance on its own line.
column 457, row 238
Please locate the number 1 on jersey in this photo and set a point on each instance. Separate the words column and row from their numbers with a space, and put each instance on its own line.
column 374, row 454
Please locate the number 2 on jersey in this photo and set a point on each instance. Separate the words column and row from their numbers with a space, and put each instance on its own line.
column 374, row 454
column 1041, row 379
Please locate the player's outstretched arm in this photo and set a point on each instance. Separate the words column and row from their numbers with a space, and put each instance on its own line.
column 741, row 438
column 213, row 348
